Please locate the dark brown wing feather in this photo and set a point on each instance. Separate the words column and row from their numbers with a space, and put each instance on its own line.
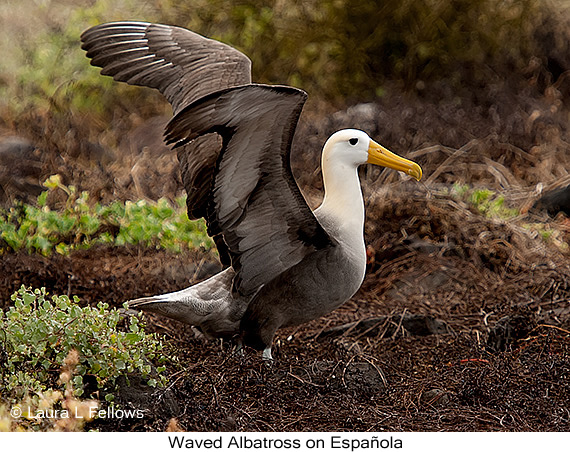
column 184, row 66
column 245, row 189
column 255, row 203
column 197, row 164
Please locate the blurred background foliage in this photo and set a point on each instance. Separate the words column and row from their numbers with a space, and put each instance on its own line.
column 341, row 51
column 43, row 66
column 443, row 71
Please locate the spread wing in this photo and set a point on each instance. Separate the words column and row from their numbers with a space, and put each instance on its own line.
column 255, row 203
column 184, row 66
column 243, row 186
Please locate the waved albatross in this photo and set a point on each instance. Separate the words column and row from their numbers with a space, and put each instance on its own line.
column 284, row 264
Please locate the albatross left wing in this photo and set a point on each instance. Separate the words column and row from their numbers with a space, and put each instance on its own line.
column 184, row 66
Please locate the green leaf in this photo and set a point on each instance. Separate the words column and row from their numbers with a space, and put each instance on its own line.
column 133, row 338
column 28, row 298
column 42, row 198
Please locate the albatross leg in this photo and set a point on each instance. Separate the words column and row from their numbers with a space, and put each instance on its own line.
column 198, row 334
column 266, row 356
column 238, row 350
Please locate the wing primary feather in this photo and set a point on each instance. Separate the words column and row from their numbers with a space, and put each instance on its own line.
column 192, row 69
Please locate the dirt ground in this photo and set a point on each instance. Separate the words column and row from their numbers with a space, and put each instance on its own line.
column 441, row 341
column 462, row 323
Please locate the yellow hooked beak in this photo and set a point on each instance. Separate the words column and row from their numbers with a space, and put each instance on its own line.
column 379, row 155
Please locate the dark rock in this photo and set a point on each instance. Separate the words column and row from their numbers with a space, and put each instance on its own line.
column 358, row 377
column 509, row 330
column 435, row 397
column 554, row 202
column 20, row 170
column 135, row 393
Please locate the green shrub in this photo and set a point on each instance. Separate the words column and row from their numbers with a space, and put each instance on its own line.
column 38, row 333
column 34, row 412
column 486, row 201
column 80, row 224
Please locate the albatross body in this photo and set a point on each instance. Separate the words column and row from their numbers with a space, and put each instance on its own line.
column 284, row 264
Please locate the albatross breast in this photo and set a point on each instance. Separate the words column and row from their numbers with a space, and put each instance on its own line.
column 317, row 285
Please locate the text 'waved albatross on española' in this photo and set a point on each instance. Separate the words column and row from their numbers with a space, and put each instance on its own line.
column 284, row 264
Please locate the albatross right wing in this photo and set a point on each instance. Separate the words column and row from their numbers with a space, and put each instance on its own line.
column 255, row 203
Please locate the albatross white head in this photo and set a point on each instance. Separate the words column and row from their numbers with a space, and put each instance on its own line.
column 343, row 153
column 351, row 147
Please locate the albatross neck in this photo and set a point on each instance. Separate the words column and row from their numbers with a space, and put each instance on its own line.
column 343, row 204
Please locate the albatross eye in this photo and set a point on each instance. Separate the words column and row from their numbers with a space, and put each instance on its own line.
column 353, row 141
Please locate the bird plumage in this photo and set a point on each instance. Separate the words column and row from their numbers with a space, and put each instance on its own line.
column 285, row 264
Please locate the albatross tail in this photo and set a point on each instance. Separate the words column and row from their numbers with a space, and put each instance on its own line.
column 208, row 305
column 160, row 303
